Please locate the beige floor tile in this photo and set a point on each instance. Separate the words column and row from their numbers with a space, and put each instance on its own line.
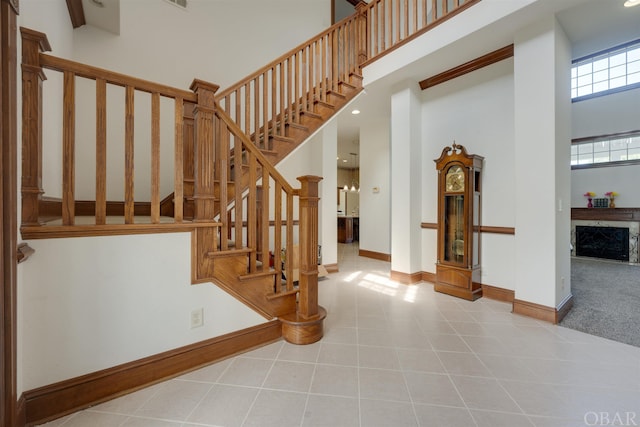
column 276, row 409
column 379, row 413
column 335, row 380
column 224, row 405
column 174, row 401
column 290, row 376
column 443, row 416
column 325, row 411
column 432, row 389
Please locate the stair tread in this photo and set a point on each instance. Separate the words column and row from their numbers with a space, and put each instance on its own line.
column 229, row 252
column 257, row 274
column 281, row 294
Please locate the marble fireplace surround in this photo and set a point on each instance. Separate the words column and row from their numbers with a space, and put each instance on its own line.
column 609, row 217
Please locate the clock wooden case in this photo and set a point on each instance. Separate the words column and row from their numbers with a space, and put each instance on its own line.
column 458, row 264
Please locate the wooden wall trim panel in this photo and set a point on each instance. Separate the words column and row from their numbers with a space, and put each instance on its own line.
column 489, row 229
column 499, row 294
column 606, row 214
column 537, row 311
column 9, row 410
column 414, row 36
column 473, row 65
column 405, row 278
column 564, row 308
column 76, row 13
column 331, row 268
column 428, row 277
column 55, row 400
column 374, row 255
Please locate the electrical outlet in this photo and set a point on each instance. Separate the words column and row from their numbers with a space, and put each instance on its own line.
column 197, row 318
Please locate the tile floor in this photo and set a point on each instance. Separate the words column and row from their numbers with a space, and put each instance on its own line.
column 396, row 355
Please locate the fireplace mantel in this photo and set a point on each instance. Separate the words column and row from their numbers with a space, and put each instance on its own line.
column 606, row 214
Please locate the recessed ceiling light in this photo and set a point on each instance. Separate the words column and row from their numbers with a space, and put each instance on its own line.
column 358, row 111
column 344, row 160
column 631, row 3
column 98, row 3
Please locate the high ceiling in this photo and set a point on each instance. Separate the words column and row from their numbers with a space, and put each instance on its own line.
column 590, row 25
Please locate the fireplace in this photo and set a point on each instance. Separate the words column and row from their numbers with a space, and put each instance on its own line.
column 602, row 242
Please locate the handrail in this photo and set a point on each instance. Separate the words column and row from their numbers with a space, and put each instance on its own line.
column 112, row 77
column 258, row 218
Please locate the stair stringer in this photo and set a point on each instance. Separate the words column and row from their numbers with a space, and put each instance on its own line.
column 256, row 291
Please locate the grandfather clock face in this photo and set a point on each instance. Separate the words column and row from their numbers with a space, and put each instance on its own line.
column 454, row 180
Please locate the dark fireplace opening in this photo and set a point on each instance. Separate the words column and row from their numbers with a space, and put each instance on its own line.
column 603, row 242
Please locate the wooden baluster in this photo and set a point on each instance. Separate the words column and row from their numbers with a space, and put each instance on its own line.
column 283, row 84
column 424, row 13
column 237, row 177
column 33, row 43
column 415, row 10
column 277, row 230
column 155, row 158
column 406, row 19
column 323, row 69
column 274, row 102
column 188, row 142
column 101, row 152
column 289, row 244
column 68, row 148
column 129, row 202
column 252, row 216
column 204, row 151
column 397, row 23
column 247, row 108
column 311, row 77
column 445, row 7
column 308, row 240
column 362, row 36
column 296, row 87
column 256, row 118
column 239, row 106
column 178, row 169
column 223, row 181
column 304, row 76
column 265, row 110
column 434, row 10
column 266, row 185
column 288, row 102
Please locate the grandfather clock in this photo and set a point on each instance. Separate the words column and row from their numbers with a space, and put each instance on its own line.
column 458, row 265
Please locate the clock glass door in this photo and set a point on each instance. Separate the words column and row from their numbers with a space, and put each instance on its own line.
column 454, row 228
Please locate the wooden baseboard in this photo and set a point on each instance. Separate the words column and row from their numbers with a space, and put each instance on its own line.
column 564, row 308
column 331, row 268
column 541, row 312
column 406, row 278
column 21, row 417
column 500, row 294
column 537, row 311
column 375, row 255
column 428, row 277
column 55, row 400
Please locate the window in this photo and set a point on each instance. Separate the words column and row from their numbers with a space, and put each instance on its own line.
column 609, row 71
column 608, row 150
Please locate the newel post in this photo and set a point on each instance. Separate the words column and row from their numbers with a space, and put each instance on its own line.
column 204, row 150
column 362, row 32
column 33, row 42
column 308, row 240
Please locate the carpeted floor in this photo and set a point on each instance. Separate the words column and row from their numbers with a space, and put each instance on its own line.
column 606, row 300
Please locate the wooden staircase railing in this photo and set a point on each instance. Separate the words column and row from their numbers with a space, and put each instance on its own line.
column 285, row 101
column 225, row 188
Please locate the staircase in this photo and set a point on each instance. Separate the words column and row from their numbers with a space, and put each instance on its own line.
column 226, row 144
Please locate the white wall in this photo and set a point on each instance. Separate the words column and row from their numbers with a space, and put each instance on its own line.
column 92, row 303
column 605, row 115
column 539, row 164
column 483, row 102
column 375, row 172
column 86, row 304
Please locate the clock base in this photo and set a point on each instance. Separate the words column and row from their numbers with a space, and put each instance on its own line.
column 458, row 282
